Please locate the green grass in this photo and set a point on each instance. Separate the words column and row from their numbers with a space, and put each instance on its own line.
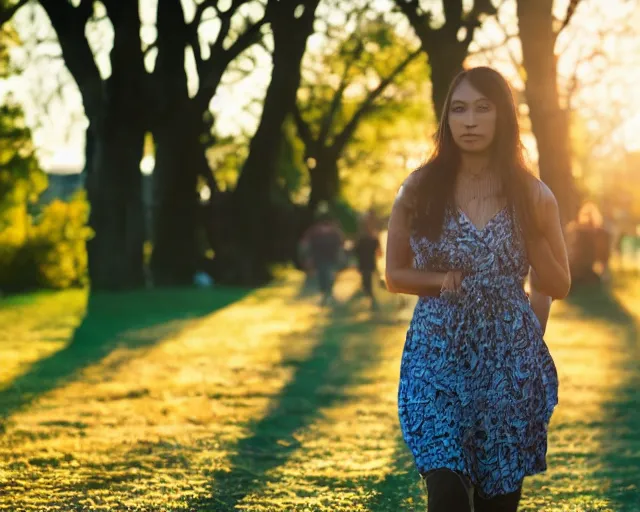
column 215, row 400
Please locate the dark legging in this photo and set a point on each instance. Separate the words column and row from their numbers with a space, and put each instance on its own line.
column 367, row 284
column 447, row 493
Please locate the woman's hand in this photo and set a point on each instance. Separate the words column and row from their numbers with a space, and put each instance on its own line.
column 540, row 304
column 452, row 283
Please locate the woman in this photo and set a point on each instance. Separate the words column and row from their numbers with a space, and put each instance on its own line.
column 477, row 384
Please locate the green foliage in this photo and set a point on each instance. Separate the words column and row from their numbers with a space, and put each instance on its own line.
column 363, row 48
column 226, row 158
column 387, row 146
column 21, row 182
column 54, row 253
column 37, row 249
column 57, row 245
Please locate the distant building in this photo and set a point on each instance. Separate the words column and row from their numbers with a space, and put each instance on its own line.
column 62, row 186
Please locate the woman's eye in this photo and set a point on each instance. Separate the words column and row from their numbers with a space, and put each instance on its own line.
column 484, row 107
column 457, row 109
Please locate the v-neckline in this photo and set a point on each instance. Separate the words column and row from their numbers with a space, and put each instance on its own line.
column 482, row 230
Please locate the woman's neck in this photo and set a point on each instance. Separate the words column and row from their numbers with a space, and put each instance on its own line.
column 475, row 164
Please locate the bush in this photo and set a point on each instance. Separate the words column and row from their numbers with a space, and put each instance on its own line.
column 54, row 253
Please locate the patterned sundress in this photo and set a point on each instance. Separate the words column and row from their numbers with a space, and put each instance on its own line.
column 478, row 385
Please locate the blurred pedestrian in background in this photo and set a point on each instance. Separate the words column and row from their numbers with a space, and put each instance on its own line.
column 367, row 250
column 322, row 250
column 589, row 246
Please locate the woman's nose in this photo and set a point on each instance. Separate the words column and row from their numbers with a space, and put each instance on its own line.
column 470, row 119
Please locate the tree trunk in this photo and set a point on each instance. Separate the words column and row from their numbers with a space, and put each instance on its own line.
column 114, row 190
column 180, row 158
column 446, row 52
column 325, row 182
column 245, row 255
column 176, row 127
column 89, row 152
column 445, row 64
column 549, row 122
column 114, row 185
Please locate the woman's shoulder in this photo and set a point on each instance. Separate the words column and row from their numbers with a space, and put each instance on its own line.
column 542, row 198
column 539, row 191
column 412, row 181
column 408, row 190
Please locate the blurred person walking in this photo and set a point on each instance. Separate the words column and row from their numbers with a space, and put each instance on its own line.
column 478, row 385
column 367, row 251
column 589, row 246
column 323, row 247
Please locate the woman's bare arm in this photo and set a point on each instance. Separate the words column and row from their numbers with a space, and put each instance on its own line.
column 401, row 277
column 541, row 305
column 548, row 252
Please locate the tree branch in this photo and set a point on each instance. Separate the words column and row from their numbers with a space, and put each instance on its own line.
column 480, row 8
column 200, row 8
column 337, row 97
column 573, row 80
column 6, row 13
column 430, row 38
column 249, row 37
column 453, row 14
column 512, row 56
column 192, row 29
column 571, row 9
column 149, row 47
column 85, row 10
column 304, row 130
column 420, row 22
column 69, row 24
column 354, row 56
column 217, row 48
column 211, row 70
column 346, row 134
column 494, row 47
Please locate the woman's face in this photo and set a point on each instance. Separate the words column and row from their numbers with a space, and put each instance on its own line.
column 472, row 119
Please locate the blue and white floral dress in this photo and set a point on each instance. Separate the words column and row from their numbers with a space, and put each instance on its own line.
column 477, row 383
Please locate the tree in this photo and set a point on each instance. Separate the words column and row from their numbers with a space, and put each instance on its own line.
column 245, row 253
column 116, row 108
column 180, row 123
column 122, row 108
column 549, row 121
column 348, row 84
column 446, row 46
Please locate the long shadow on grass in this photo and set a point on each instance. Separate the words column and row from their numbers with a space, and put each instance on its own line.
column 343, row 351
column 620, row 470
column 129, row 320
column 401, row 489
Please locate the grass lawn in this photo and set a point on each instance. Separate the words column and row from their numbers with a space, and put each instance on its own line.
column 221, row 400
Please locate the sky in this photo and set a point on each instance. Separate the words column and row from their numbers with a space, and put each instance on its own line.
column 53, row 106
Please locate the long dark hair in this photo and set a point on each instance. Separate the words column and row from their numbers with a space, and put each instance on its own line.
column 437, row 177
